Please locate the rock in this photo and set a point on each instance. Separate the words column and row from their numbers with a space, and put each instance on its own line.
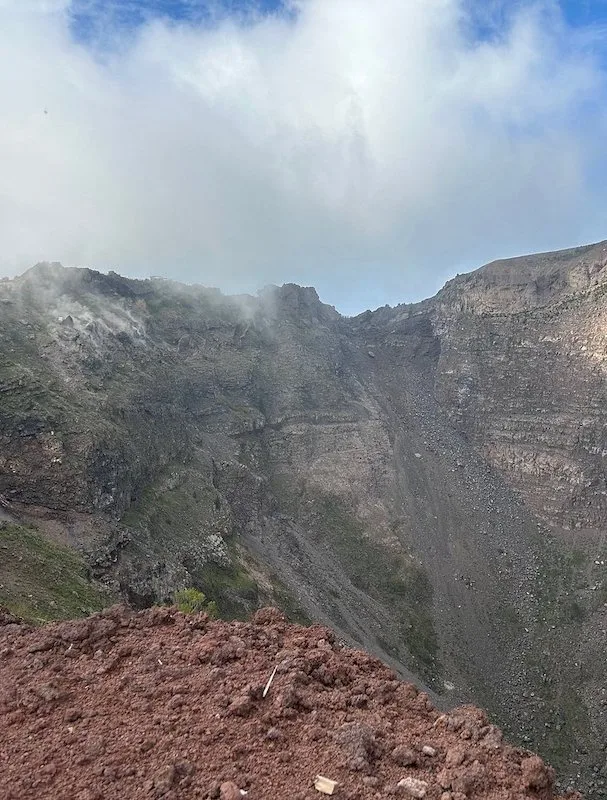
column 359, row 742
column 41, row 646
column 324, row 785
column 412, row 787
column 428, row 751
column 240, row 706
column 455, row 756
column 274, row 735
column 164, row 779
column 229, row 791
column 468, row 778
column 493, row 738
column 403, row 756
column 444, row 778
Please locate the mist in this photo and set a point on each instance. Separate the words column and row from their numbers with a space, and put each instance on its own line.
column 369, row 149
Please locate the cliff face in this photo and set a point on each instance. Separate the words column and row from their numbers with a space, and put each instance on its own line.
column 383, row 474
column 522, row 373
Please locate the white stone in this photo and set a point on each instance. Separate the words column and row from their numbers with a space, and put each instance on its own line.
column 413, row 787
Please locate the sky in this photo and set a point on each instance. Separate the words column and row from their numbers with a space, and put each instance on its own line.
column 370, row 148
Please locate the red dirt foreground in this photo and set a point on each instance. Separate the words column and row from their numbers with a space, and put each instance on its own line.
column 158, row 704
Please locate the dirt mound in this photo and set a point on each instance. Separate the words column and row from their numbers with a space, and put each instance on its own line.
column 157, row 704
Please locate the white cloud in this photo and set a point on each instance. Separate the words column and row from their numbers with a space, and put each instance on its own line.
column 371, row 149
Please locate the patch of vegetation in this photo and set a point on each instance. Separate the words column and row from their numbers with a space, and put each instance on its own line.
column 191, row 601
column 233, row 590
column 174, row 514
column 42, row 581
column 176, row 508
column 391, row 578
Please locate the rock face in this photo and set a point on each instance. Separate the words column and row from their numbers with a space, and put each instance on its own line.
column 522, row 372
column 402, row 476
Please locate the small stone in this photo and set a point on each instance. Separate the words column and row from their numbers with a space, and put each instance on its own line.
column 240, row 706
column 147, row 744
column 359, row 700
column 324, row 785
column 444, row 779
column 493, row 738
column 229, row 791
column 47, row 692
column 455, row 756
column 428, row 751
column 164, row 780
column 412, row 787
column 403, row 756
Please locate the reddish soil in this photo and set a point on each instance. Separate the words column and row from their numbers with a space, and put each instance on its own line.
column 157, row 704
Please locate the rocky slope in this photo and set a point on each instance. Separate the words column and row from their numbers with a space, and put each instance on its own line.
column 204, row 721
column 424, row 479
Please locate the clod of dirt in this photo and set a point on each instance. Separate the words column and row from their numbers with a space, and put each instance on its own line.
column 412, row 787
column 158, row 704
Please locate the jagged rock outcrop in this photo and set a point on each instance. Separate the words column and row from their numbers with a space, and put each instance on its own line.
column 383, row 474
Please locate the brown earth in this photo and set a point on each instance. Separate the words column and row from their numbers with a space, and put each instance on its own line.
column 160, row 704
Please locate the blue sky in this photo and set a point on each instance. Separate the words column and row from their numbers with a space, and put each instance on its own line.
column 370, row 148
column 585, row 12
column 133, row 13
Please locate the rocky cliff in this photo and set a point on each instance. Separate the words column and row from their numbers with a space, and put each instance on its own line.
column 522, row 372
column 425, row 479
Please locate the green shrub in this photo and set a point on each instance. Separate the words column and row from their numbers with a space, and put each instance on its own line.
column 191, row 601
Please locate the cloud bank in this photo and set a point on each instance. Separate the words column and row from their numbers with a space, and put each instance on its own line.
column 369, row 148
